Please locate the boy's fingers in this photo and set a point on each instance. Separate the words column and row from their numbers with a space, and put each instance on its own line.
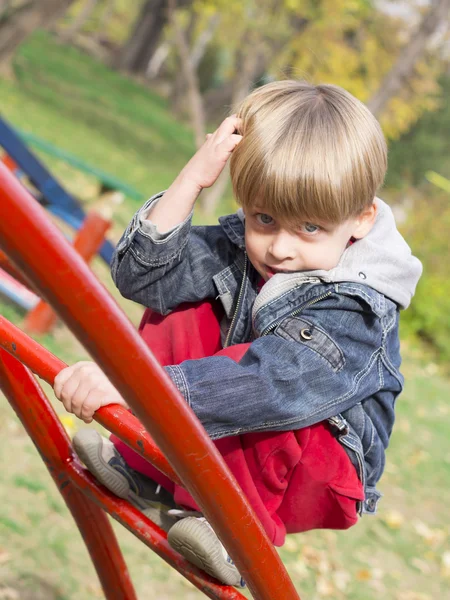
column 91, row 403
column 60, row 380
column 228, row 127
column 69, row 394
column 65, row 374
column 230, row 143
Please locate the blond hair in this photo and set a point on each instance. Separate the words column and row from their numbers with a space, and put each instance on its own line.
column 308, row 152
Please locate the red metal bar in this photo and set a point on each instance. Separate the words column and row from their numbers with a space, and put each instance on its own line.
column 9, row 163
column 87, row 242
column 84, row 495
column 66, row 282
column 44, row 428
column 6, row 265
column 115, row 418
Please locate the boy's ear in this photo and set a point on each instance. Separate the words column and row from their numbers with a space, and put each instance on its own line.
column 364, row 222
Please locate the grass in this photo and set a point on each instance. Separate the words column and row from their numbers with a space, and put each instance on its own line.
column 122, row 127
column 403, row 553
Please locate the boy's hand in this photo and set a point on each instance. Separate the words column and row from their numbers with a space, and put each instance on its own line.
column 209, row 161
column 83, row 388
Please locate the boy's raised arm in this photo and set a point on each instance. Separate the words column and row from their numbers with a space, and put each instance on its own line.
column 200, row 172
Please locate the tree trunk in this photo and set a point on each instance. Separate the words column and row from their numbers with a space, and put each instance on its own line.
column 190, row 75
column 68, row 34
column 411, row 53
column 23, row 21
column 195, row 57
column 106, row 16
column 4, row 6
column 144, row 39
column 179, row 85
column 157, row 60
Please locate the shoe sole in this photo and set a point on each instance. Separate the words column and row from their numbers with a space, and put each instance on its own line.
column 87, row 443
column 198, row 544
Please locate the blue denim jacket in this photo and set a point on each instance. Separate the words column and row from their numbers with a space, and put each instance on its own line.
column 324, row 344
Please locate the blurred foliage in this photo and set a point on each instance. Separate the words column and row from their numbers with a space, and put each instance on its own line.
column 427, row 231
column 95, row 113
column 352, row 43
column 118, row 26
column 426, row 146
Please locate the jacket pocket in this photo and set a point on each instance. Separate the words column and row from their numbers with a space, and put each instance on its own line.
column 306, row 333
column 348, row 498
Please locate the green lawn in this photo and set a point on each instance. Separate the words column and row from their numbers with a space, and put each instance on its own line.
column 403, row 553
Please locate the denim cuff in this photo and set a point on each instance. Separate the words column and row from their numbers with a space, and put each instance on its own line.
column 149, row 228
column 149, row 246
column 177, row 376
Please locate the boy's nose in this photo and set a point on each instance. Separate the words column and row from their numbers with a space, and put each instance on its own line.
column 282, row 247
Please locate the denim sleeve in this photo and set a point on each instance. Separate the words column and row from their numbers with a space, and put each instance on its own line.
column 160, row 271
column 279, row 384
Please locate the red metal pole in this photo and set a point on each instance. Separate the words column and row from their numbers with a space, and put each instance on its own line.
column 6, row 265
column 66, row 282
column 44, row 428
column 114, row 418
column 87, row 241
column 9, row 162
column 37, row 415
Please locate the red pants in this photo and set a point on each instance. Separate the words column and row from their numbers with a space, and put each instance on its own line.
column 294, row 480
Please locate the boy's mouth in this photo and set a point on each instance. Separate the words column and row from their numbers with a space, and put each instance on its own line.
column 271, row 271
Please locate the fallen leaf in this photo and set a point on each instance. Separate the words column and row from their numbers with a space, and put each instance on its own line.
column 4, row 556
column 412, row 595
column 433, row 537
column 68, row 422
column 445, row 562
column 341, row 579
column 291, row 544
column 7, row 593
column 421, row 565
column 404, row 425
column 363, row 575
column 417, row 457
column 394, row 519
column 324, row 587
column 300, row 569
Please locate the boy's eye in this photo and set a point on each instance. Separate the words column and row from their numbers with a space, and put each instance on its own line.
column 309, row 228
column 264, row 219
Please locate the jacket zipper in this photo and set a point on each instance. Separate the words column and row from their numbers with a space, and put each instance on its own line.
column 296, row 312
column 241, row 293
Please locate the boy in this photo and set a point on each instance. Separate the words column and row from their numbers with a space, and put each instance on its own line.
column 295, row 372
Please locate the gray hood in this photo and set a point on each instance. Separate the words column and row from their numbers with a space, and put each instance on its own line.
column 381, row 260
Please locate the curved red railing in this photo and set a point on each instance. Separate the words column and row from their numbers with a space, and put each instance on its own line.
column 85, row 497
column 114, row 418
column 42, row 254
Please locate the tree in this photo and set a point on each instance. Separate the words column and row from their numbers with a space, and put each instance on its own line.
column 104, row 19
column 22, row 21
column 352, row 44
column 79, row 21
column 144, row 38
column 196, row 49
column 409, row 55
column 190, row 76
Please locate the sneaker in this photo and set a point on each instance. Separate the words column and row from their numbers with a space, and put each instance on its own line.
column 110, row 469
column 195, row 540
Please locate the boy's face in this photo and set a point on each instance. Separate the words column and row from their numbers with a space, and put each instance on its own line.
column 273, row 247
